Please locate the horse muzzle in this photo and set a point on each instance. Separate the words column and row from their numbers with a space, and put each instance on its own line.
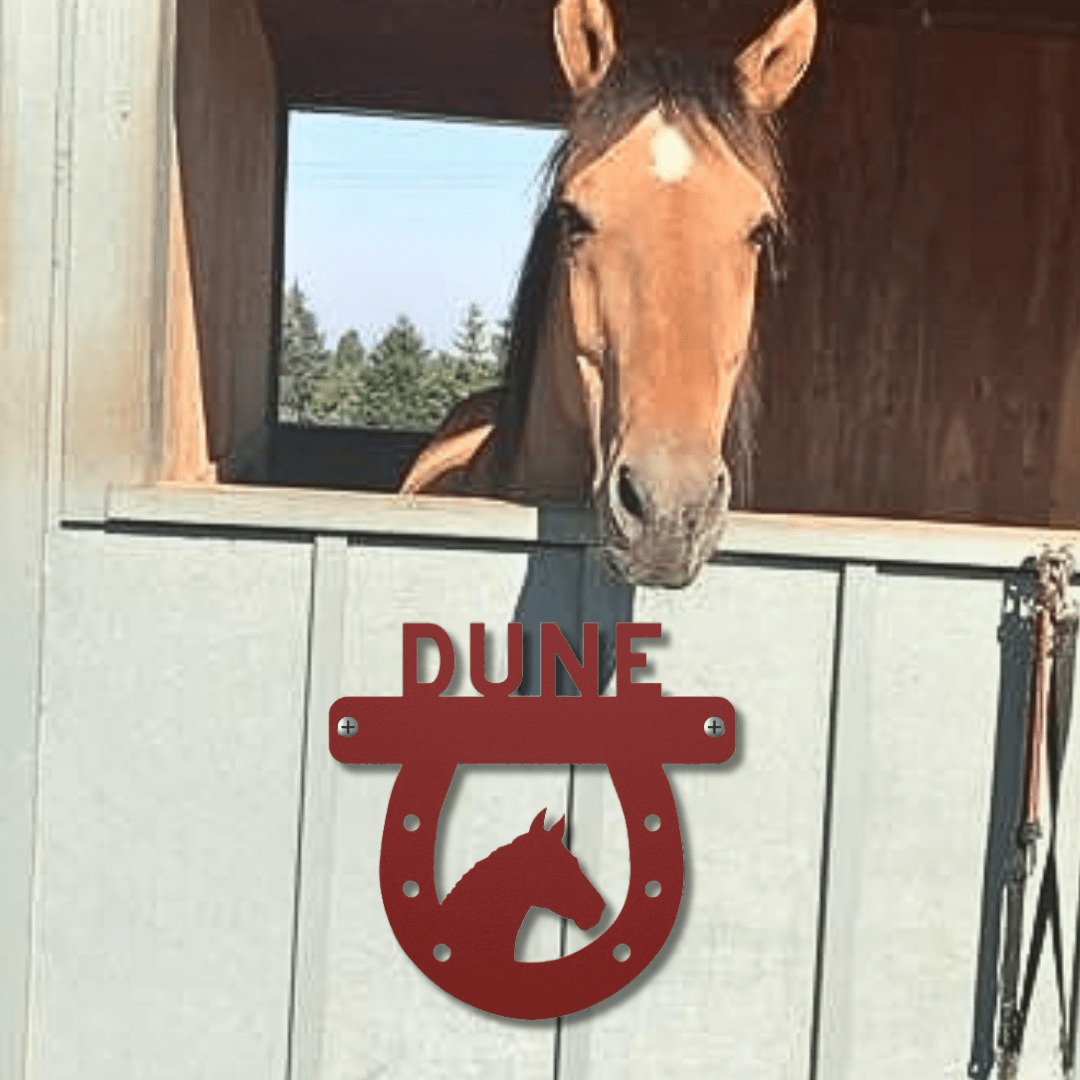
column 662, row 517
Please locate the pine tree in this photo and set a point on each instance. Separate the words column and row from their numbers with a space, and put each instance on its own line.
column 398, row 384
column 473, row 365
column 350, row 350
column 470, row 344
column 339, row 394
column 304, row 357
column 397, row 380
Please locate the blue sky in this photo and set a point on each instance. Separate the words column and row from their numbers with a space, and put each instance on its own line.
column 390, row 216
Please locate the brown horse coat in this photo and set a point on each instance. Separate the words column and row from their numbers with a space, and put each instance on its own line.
column 633, row 323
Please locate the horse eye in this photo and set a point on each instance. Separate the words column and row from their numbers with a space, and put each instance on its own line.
column 574, row 226
column 766, row 237
column 765, row 234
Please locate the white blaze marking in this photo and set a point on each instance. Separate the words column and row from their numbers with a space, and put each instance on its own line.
column 672, row 158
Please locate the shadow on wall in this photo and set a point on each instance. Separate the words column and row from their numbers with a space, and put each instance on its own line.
column 570, row 586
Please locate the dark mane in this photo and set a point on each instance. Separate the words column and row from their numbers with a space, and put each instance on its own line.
column 702, row 90
column 485, row 864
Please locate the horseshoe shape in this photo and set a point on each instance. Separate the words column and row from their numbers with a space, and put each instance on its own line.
column 634, row 734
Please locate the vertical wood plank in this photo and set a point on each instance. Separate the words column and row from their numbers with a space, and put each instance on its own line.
column 171, row 740
column 114, row 316
column 381, row 1016
column 329, row 602
column 844, row 823
column 34, row 99
column 732, row 993
column 223, row 226
column 912, row 797
column 186, row 456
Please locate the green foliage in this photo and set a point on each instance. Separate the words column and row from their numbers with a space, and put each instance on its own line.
column 400, row 383
column 395, row 385
column 304, row 359
column 470, row 343
column 340, row 389
column 349, row 352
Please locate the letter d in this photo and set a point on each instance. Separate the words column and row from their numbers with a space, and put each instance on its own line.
column 411, row 633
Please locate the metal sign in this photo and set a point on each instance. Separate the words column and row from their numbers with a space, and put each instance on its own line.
column 465, row 944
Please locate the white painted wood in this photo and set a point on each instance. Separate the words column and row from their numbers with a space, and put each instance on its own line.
column 751, row 535
column 923, row 543
column 383, row 1017
column 329, row 602
column 733, row 993
column 137, row 961
column 847, row 838
column 345, row 511
column 167, row 832
column 33, row 97
column 117, row 247
column 901, row 1003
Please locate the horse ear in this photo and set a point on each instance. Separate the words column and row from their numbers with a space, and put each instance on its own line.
column 538, row 822
column 558, row 828
column 770, row 68
column 460, row 438
column 585, row 42
column 445, row 453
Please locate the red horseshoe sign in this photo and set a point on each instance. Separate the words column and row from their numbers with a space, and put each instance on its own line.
column 465, row 944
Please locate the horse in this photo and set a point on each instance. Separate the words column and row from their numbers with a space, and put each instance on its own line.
column 482, row 914
column 628, row 383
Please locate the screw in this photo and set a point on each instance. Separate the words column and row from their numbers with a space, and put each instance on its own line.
column 347, row 726
column 714, row 727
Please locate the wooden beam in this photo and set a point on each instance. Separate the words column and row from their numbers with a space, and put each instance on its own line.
column 493, row 59
column 221, row 244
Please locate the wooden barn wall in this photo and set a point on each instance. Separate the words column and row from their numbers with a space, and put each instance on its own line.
column 923, row 355
column 206, row 897
column 222, row 236
column 475, row 58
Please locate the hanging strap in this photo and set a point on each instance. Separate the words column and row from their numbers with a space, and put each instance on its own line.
column 1048, row 910
column 1048, row 726
column 1063, row 694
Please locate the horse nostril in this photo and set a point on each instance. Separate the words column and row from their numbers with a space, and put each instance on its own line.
column 628, row 495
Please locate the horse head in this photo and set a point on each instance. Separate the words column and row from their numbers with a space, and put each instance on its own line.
column 559, row 883
column 663, row 232
column 633, row 322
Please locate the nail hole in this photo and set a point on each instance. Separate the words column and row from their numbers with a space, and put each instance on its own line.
column 652, row 888
column 652, row 823
column 621, row 953
column 442, row 953
column 412, row 822
column 410, row 888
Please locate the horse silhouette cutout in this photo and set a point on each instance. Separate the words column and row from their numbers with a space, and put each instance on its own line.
column 482, row 914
